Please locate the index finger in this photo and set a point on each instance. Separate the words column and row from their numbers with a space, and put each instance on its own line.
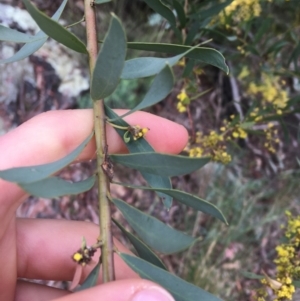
column 52, row 135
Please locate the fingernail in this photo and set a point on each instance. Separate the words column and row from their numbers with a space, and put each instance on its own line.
column 152, row 294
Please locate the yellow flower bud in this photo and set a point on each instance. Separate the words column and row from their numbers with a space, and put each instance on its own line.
column 77, row 257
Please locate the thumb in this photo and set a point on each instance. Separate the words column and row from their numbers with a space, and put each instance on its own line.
column 122, row 290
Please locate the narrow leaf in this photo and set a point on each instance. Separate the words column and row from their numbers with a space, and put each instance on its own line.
column 91, row 279
column 161, row 164
column 162, row 85
column 188, row 69
column 110, row 61
column 141, row 145
column 293, row 101
column 295, row 53
column 296, row 283
column 162, row 10
column 251, row 275
column 101, row 1
column 180, row 289
column 30, row 174
column 180, row 13
column 275, row 47
column 153, row 232
column 212, row 11
column 54, row 187
column 217, row 32
column 148, row 66
column 32, row 47
column 54, row 29
column 143, row 250
column 263, row 28
column 11, row 35
column 193, row 30
column 187, row 199
column 159, row 181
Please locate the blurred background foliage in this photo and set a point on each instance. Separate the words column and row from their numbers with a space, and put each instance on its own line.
column 247, row 121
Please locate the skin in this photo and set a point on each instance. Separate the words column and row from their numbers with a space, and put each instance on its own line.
column 41, row 249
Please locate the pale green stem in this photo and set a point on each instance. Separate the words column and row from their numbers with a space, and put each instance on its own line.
column 108, row 273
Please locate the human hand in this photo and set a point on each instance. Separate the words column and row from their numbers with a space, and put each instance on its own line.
column 41, row 249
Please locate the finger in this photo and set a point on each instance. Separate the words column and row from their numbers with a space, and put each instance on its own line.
column 52, row 135
column 8, row 255
column 123, row 290
column 36, row 292
column 45, row 248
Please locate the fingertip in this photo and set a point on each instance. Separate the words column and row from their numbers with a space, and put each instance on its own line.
column 123, row 290
column 172, row 139
column 164, row 135
column 152, row 293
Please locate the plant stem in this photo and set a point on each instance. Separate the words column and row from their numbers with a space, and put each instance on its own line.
column 108, row 273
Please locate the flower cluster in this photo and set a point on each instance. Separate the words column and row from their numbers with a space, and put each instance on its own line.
column 272, row 139
column 256, row 115
column 273, row 100
column 233, row 129
column 287, row 264
column 183, row 102
column 214, row 144
column 241, row 10
column 84, row 255
column 271, row 92
column 131, row 131
column 211, row 145
column 136, row 132
column 238, row 132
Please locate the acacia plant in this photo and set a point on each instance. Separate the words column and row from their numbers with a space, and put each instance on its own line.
column 107, row 67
